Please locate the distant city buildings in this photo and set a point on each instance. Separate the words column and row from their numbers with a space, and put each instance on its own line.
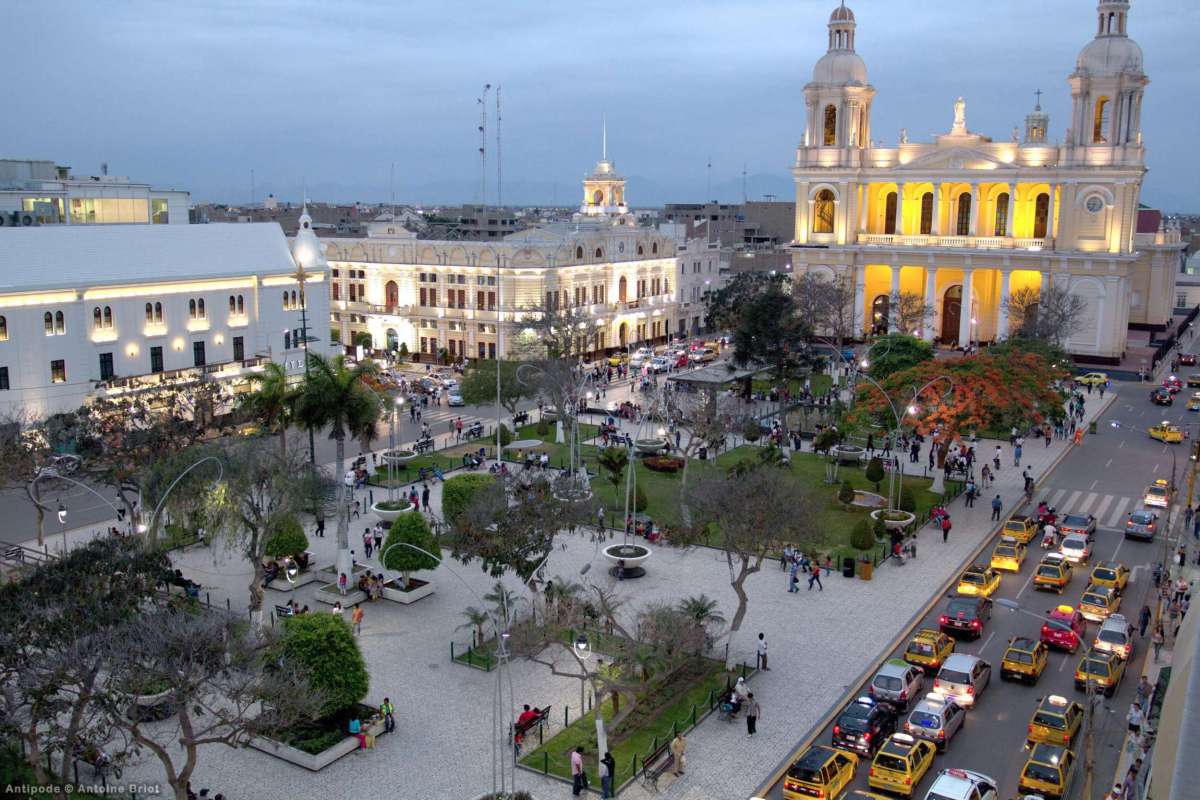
column 34, row 193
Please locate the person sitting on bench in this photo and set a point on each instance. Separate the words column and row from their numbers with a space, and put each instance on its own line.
column 526, row 717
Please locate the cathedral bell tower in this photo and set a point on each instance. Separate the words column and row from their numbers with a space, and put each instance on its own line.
column 604, row 189
column 1108, row 83
column 838, row 98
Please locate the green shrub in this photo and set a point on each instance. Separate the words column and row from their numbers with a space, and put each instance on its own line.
column 874, row 472
column 392, row 505
column 907, row 501
column 640, row 501
column 178, row 536
column 669, row 464
column 861, row 537
column 410, row 528
column 751, row 430
column 324, row 649
column 506, row 436
column 543, row 428
column 879, row 528
column 825, row 440
column 459, row 492
column 285, row 537
column 845, row 494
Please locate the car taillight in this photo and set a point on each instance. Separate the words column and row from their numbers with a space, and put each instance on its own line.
column 872, row 773
column 943, row 619
column 1028, row 728
column 941, row 734
column 934, row 662
column 907, row 781
column 1066, row 738
column 1046, row 629
column 837, row 730
column 937, row 684
column 974, row 623
column 908, row 727
column 867, row 736
column 971, row 690
column 904, row 694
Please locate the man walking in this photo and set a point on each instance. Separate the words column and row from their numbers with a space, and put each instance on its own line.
column 753, row 710
column 815, row 575
column 996, row 506
column 389, row 715
column 578, row 778
column 425, row 498
column 1143, row 621
column 762, row 652
column 792, row 579
column 678, row 749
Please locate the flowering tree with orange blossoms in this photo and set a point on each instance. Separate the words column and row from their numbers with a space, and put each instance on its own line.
column 958, row 396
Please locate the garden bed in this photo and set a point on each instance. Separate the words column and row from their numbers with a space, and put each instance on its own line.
column 417, row 590
column 315, row 745
column 329, row 594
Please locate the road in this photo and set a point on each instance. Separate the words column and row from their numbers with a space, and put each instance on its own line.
column 1105, row 478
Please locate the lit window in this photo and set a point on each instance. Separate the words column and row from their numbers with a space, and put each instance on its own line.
column 823, row 212
column 60, row 324
column 58, row 371
column 108, row 323
column 48, row 321
column 3, row 329
column 149, row 312
column 192, row 309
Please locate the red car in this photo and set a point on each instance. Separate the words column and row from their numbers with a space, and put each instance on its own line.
column 1172, row 384
column 1068, row 633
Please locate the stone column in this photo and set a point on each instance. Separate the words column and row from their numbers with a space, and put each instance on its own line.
column 893, row 299
column 900, row 209
column 1012, row 202
column 931, row 301
column 937, row 209
column 1052, row 219
column 964, row 318
column 974, row 208
column 865, row 204
column 860, row 289
column 1002, row 311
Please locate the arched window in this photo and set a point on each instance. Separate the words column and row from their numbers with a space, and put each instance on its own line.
column 1041, row 216
column 889, row 213
column 200, row 312
column 641, row 250
column 60, row 323
column 654, row 249
column 149, row 313
column 666, row 286
column 598, row 197
column 295, row 301
column 579, row 253
column 391, row 293
column 1000, row 225
column 108, row 316
column 285, row 299
column 823, row 212
column 3, row 329
column 241, row 308
column 48, row 321
column 879, row 314
column 1100, row 121
column 926, row 214
column 158, row 312
column 97, row 321
column 622, row 289
column 964, row 214
column 830, row 138
column 599, row 253
column 192, row 308
column 232, row 304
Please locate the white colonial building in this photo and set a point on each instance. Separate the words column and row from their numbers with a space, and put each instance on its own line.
column 965, row 220
column 108, row 309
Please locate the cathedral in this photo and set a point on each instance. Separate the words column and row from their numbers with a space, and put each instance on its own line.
column 965, row 221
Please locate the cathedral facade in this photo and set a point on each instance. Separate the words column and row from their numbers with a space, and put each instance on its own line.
column 966, row 221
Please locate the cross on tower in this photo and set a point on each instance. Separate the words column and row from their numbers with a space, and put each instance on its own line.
column 1038, row 93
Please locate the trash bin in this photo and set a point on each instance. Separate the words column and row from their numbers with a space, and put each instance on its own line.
column 703, row 454
column 864, row 570
column 848, row 567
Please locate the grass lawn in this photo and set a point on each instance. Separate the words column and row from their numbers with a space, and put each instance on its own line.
column 636, row 738
column 819, row 384
column 479, row 657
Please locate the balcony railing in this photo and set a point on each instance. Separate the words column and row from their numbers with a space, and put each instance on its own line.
column 968, row 242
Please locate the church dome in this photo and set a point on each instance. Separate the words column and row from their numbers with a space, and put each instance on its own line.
column 1110, row 55
column 842, row 14
column 841, row 68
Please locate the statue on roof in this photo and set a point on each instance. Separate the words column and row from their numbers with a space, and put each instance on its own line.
column 960, row 116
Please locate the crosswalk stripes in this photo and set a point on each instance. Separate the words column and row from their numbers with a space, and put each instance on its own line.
column 1118, row 513
column 1104, row 504
column 1055, row 500
column 1069, row 503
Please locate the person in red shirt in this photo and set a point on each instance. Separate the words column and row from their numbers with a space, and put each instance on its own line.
column 526, row 716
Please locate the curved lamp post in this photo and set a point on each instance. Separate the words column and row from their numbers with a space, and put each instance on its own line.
column 154, row 515
column 61, row 510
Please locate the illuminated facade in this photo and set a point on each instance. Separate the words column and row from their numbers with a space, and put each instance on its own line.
column 108, row 309
column 964, row 221
column 44, row 193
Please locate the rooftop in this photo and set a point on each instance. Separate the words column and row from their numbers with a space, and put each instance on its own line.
column 74, row 256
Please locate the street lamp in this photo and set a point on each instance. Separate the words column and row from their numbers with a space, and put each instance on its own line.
column 174, row 483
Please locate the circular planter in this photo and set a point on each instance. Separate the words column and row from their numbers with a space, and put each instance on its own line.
column 649, row 447
column 398, row 456
column 634, row 556
column 847, row 453
column 390, row 515
column 894, row 524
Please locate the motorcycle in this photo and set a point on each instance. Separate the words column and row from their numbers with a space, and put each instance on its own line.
column 1050, row 540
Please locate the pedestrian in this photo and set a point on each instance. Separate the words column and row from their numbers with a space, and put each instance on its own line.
column 1012, row 436
column 368, row 541
column 425, row 497
column 753, row 711
column 970, row 493
column 1143, row 621
column 389, row 715
column 342, row 583
column 870, row 444
column 356, row 617
column 1046, row 432
column 1181, row 588
column 608, row 768
column 985, row 475
column 1135, row 718
column 792, row 579
column 1017, row 456
column 379, row 540
column 786, row 558
column 762, row 653
column 945, row 528
column 815, row 575
column 996, row 458
column 321, row 522
column 678, row 754
column 1157, row 640
column 578, row 776
column 1188, row 514
column 1145, row 690
column 337, row 608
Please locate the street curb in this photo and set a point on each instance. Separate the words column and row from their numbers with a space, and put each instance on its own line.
column 815, row 730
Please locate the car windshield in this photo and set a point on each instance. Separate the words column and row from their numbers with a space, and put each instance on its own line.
column 888, row 682
column 953, row 676
column 1018, row 657
column 1049, row 570
column 1112, row 636
column 964, row 608
column 1041, row 772
column 1075, row 520
column 1140, row 518
column 923, row 719
column 1105, row 574
column 1048, row 720
column 886, row 761
column 920, row 648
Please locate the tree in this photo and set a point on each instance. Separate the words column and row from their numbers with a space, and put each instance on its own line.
column 770, row 334
column 322, row 647
column 411, row 529
column 746, row 518
column 909, row 312
column 895, row 352
column 363, row 339
column 25, row 452
column 334, row 396
column 458, row 493
column 272, row 400
column 614, row 460
column 1052, row 353
column 874, row 472
column 402, row 354
column 475, row 620
column 285, row 538
column 861, row 536
column 726, row 307
column 478, row 385
column 1052, row 313
column 823, row 305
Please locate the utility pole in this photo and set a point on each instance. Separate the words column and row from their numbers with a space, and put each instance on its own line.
column 499, row 184
column 708, row 182
column 482, row 102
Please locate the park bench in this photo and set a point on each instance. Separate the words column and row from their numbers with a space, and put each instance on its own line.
column 423, row 446
column 283, row 611
column 521, row 419
column 659, row 762
column 518, row 730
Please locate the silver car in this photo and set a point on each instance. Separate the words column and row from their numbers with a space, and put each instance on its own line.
column 962, row 678
column 936, row 718
column 1075, row 548
column 897, row 682
column 1115, row 636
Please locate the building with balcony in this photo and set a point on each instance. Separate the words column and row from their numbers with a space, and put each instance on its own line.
column 104, row 309
column 965, row 221
column 44, row 193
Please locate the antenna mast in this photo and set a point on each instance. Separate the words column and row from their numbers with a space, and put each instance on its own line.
column 499, row 184
column 482, row 101
column 708, row 181
column 251, row 187
column 743, row 183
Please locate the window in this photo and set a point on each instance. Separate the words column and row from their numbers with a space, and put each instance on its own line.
column 156, row 359
column 201, row 313
column 3, row 379
column 1181, row 300
column 1100, row 121
column 579, row 253
column 287, row 340
column 337, row 294
column 879, row 314
column 654, row 249
column 97, row 321
column 295, row 301
column 48, row 321
column 830, row 138
column 241, row 305
column 60, row 325
column 1041, row 216
column 391, row 293
column 149, row 312
column 285, row 299
column 232, row 304
column 641, row 251
column 158, row 212
column 158, row 312
column 823, row 212
column 198, row 354
column 106, row 366
column 58, row 371
column 926, row 214
column 889, row 213
column 192, row 309
column 964, row 214
column 599, row 253
column 622, row 290
column 1001, row 223
column 239, row 349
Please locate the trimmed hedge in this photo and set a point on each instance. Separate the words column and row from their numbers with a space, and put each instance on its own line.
column 459, row 492
column 285, row 537
column 409, row 528
column 323, row 647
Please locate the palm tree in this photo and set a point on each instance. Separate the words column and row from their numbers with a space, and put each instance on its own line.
column 703, row 612
column 273, row 401
column 504, row 600
column 476, row 619
column 334, row 396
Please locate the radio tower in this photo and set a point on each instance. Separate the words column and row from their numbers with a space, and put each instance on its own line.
column 499, row 184
column 482, row 101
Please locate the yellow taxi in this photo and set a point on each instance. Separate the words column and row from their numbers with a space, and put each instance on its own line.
column 860, row 794
column 1056, row 721
column 1020, row 527
column 822, row 772
column 1193, row 380
column 1111, row 573
column 1098, row 602
column 979, row 581
column 617, row 359
column 1048, row 772
column 1092, row 378
column 928, row 649
column 1166, row 433
column 1024, row 660
column 1102, row 670
column 900, row 764
column 1008, row 555
column 1053, row 573
column 1193, row 403
column 1158, row 494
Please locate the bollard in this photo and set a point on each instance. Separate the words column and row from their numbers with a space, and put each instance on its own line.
column 710, row 700
column 451, row 650
column 633, row 767
column 675, row 726
column 546, row 762
column 743, row 669
column 566, row 716
column 693, row 715
column 654, row 746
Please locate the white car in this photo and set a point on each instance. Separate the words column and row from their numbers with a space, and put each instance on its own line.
column 643, row 355
column 659, row 364
column 962, row 678
column 1115, row 636
column 450, row 383
column 1075, row 548
column 455, row 399
column 962, row 784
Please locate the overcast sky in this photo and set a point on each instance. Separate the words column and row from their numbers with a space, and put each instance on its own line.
column 330, row 94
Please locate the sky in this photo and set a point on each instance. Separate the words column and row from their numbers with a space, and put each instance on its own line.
column 326, row 97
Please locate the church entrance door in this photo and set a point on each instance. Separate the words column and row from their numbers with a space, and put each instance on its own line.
column 951, row 315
